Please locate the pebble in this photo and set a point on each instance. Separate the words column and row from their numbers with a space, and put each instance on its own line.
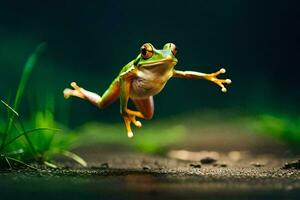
column 220, row 165
column 257, row 164
column 104, row 165
column 208, row 160
column 146, row 167
column 223, row 165
column 195, row 165
column 293, row 164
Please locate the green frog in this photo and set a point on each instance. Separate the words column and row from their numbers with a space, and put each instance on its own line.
column 140, row 80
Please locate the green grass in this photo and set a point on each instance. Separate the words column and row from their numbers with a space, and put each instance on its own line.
column 154, row 138
column 283, row 127
column 38, row 143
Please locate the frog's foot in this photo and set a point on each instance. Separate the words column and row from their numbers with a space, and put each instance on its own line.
column 129, row 118
column 77, row 91
column 220, row 82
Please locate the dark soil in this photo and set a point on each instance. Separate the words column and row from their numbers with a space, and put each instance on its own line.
column 126, row 175
column 237, row 165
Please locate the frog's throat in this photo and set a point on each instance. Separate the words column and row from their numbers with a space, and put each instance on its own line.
column 159, row 63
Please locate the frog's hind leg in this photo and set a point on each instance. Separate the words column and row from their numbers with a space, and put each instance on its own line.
column 145, row 106
column 145, row 109
column 109, row 96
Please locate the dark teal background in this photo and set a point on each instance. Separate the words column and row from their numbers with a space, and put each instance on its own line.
column 89, row 42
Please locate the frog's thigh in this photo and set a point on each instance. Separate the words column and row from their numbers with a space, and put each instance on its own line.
column 145, row 106
column 110, row 95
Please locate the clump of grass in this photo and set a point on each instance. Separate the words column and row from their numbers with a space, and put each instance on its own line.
column 150, row 139
column 284, row 128
column 21, row 145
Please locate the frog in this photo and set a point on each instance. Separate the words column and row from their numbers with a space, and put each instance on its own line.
column 140, row 80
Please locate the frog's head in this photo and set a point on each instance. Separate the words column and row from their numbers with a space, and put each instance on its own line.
column 151, row 57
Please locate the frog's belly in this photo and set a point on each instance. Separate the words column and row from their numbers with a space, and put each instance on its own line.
column 143, row 88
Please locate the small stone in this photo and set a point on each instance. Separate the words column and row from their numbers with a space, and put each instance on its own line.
column 66, row 167
column 208, row 160
column 287, row 166
column 257, row 164
column 146, row 167
column 293, row 164
column 195, row 165
column 223, row 165
column 104, row 165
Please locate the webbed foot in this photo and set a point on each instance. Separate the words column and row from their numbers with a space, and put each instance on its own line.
column 220, row 82
column 76, row 91
column 130, row 117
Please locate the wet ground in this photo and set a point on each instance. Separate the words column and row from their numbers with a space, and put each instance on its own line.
column 126, row 175
column 218, row 161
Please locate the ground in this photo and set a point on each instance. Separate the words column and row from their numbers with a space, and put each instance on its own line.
column 123, row 175
column 226, row 164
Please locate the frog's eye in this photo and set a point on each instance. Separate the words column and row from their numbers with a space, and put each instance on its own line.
column 172, row 47
column 146, row 51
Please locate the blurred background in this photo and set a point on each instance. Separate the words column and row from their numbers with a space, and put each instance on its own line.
column 90, row 41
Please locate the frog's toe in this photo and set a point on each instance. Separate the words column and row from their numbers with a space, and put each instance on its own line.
column 222, row 71
column 135, row 122
column 130, row 134
column 138, row 124
column 221, row 84
column 75, row 86
column 228, row 81
column 224, row 81
column 67, row 93
column 224, row 89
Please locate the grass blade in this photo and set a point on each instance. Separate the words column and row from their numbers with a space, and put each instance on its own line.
column 73, row 156
column 21, row 162
column 51, row 165
column 7, row 161
column 9, row 108
column 30, row 131
column 22, row 127
column 10, row 121
column 30, row 63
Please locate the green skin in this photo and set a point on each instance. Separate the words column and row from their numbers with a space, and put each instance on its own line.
column 140, row 80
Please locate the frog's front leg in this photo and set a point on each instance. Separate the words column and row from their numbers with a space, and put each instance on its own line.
column 129, row 116
column 210, row 77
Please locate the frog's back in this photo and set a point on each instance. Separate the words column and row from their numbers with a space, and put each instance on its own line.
column 126, row 67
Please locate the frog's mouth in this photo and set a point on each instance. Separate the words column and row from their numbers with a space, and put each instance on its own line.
column 164, row 62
